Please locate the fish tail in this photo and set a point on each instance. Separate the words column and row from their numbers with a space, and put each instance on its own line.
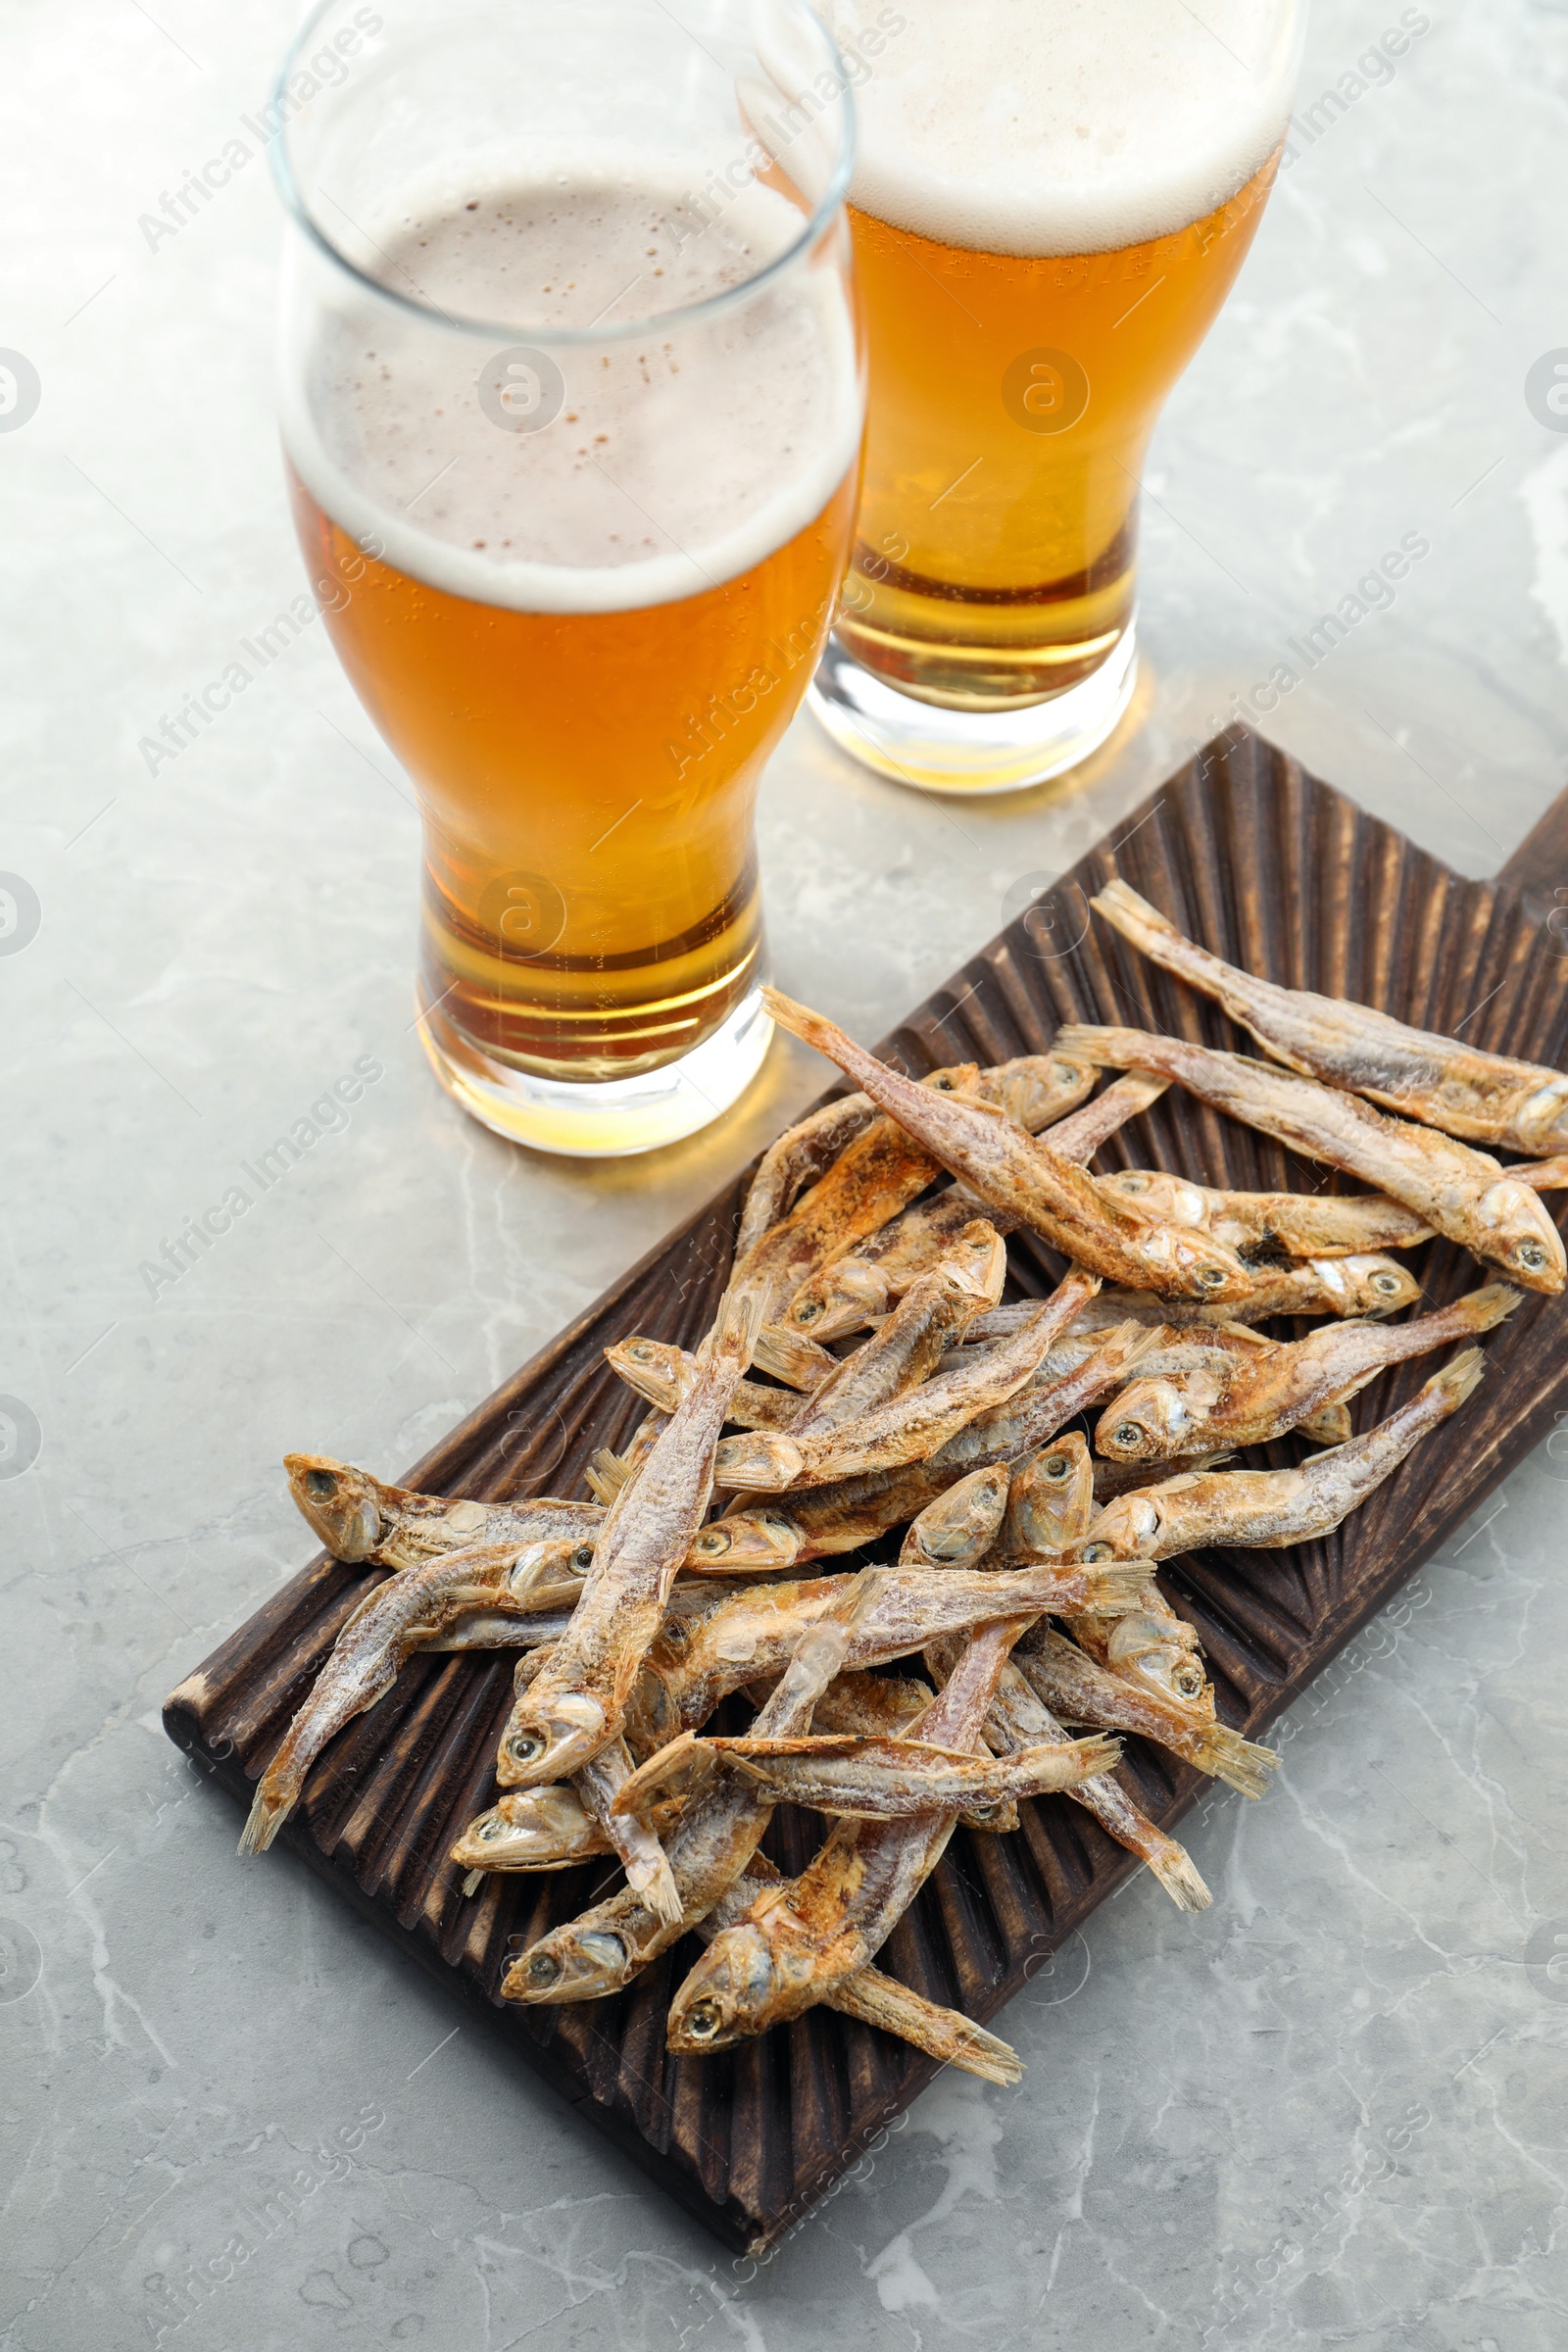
column 1113, row 1591
column 1173, row 1866
column 1096, row 1753
column 1486, row 1309
column 269, row 1809
column 1240, row 1763
column 946, row 2033
column 605, row 1475
column 1135, row 918
column 654, row 1882
column 1458, row 1380
column 746, row 1312
column 1109, row 1048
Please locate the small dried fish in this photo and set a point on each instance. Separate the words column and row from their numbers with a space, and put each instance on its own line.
column 1050, row 1504
column 534, row 1829
column 663, row 1373
column 911, row 1427
column 875, row 1176
column 1456, row 1190
column 875, row 2000
column 577, row 1707
column 892, row 1780
column 850, row 1290
column 1487, row 1098
column 1345, row 1287
column 803, row 1938
column 1079, row 1692
column 933, row 1314
column 1024, row 1178
column 1018, row 1720
column 960, row 1526
column 590, row 1957
column 1300, row 1224
column 374, row 1642
column 801, row 1155
column 1247, row 1397
column 359, row 1518
column 1268, row 1508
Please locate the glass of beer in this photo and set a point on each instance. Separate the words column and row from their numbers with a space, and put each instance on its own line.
column 1051, row 201
column 573, row 404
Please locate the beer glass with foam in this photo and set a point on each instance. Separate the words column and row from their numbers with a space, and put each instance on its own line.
column 1052, row 199
column 572, row 408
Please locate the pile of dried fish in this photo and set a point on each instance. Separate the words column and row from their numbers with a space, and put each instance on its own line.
column 872, row 1377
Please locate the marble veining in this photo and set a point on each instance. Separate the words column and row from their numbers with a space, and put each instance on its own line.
column 1328, row 2113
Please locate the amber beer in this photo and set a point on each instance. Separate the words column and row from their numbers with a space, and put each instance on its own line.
column 591, row 904
column 588, row 583
column 1050, row 206
column 1011, row 399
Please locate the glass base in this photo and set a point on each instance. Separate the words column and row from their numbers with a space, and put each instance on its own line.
column 969, row 752
column 610, row 1119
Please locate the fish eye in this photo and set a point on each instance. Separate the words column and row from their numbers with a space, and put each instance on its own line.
column 1189, row 1682
column 526, row 1748
column 322, row 1483
column 582, row 1558
column 1056, row 1466
column 1211, row 1277
column 1126, row 1433
column 1530, row 1255
column 1094, row 1553
column 1066, row 1075
column 705, row 2020
column 981, row 1242
column 542, row 1968
column 1133, row 1184
column 714, row 1542
column 942, row 1086
column 488, row 1831
column 640, row 1350
column 808, row 1310
column 1385, row 1283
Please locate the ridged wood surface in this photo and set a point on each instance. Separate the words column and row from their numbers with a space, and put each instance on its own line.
column 1271, row 869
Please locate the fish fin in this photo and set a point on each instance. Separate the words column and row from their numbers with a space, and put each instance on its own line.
column 1330, row 1426
column 1240, row 1763
column 1173, row 1866
column 1108, row 1048
column 1458, row 1380
column 947, row 2033
column 1113, row 1591
column 1134, row 917
column 659, row 1891
column 474, row 1880
column 1494, row 1303
column 605, row 1475
column 265, row 1819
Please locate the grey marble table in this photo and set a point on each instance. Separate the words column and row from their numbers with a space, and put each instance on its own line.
column 1328, row 2112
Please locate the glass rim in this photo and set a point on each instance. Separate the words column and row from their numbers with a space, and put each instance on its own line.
column 655, row 322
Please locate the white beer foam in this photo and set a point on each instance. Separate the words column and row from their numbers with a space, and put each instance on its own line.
column 1058, row 127
column 679, row 459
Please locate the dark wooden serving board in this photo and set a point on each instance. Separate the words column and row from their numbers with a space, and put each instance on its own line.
column 1273, row 870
